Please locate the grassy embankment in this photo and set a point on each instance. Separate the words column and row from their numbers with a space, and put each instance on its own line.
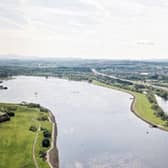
column 141, row 107
column 16, row 141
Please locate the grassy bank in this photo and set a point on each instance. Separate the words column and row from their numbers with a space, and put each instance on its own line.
column 16, row 140
column 140, row 106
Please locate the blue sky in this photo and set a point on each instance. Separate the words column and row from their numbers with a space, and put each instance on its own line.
column 122, row 29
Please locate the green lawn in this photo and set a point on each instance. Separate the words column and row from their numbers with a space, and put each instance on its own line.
column 16, row 140
column 142, row 106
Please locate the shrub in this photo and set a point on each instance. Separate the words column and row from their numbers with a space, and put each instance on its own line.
column 43, row 154
column 47, row 134
column 33, row 105
column 151, row 98
column 43, row 118
column 162, row 93
column 4, row 117
column 43, row 129
column 46, row 142
column 33, row 128
column 160, row 114
column 155, row 107
column 11, row 114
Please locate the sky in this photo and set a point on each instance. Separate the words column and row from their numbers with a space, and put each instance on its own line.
column 113, row 29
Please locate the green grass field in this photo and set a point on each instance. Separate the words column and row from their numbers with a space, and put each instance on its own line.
column 142, row 106
column 16, row 141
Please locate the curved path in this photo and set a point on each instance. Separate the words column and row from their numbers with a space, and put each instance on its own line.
column 34, row 146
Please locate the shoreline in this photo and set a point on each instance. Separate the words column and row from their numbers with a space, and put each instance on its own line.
column 153, row 125
column 132, row 107
column 52, row 153
column 24, row 119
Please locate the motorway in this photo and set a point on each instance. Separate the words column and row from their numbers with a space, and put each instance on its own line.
column 131, row 81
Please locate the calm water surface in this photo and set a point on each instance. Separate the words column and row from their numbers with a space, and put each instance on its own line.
column 96, row 128
column 162, row 103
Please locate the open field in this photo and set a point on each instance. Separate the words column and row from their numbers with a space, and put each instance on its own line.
column 16, row 140
column 140, row 106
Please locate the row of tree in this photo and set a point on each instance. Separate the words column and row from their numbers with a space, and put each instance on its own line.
column 157, row 110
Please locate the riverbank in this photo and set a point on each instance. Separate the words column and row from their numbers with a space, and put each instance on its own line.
column 140, row 106
column 22, row 137
column 53, row 157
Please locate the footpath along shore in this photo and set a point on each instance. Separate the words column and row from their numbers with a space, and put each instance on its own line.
column 52, row 153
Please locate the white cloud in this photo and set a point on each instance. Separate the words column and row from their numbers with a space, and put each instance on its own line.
column 87, row 28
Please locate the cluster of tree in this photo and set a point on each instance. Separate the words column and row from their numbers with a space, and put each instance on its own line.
column 157, row 110
column 47, row 136
column 151, row 97
column 137, row 88
column 140, row 70
column 33, row 128
column 43, row 154
column 46, row 133
column 45, row 142
column 161, row 83
column 158, row 77
column 73, row 73
column 4, row 74
column 35, row 105
column 4, row 117
column 7, row 112
column 162, row 93
column 134, row 70
column 32, row 105
column 120, row 83
column 43, row 117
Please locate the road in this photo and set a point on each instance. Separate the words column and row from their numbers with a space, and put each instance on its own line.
column 126, row 80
